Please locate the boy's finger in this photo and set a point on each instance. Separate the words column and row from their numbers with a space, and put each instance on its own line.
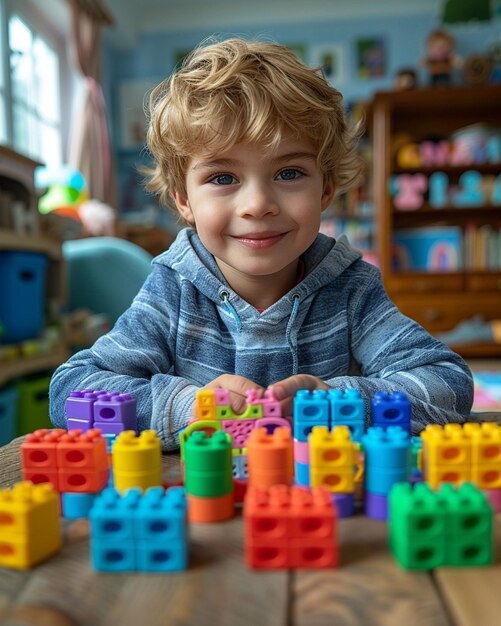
column 288, row 387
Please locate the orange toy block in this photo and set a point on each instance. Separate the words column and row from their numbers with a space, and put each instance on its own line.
column 290, row 527
column 39, row 456
column 270, row 458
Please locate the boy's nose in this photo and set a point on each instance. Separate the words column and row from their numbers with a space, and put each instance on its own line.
column 257, row 201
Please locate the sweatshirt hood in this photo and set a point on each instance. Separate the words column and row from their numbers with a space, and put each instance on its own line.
column 325, row 260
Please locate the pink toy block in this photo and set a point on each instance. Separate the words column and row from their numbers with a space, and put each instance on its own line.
column 411, row 189
column 302, row 452
column 239, row 430
column 222, row 396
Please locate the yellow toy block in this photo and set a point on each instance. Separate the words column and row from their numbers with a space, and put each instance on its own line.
column 448, row 445
column 205, row 405
column 335, row 479
column 435, row 475
column 330, row 450
column 485, row 442
column 137, row 461
column 29, row 524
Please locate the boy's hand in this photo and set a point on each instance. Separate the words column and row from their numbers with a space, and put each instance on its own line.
column 237, row 386
column 285, row 390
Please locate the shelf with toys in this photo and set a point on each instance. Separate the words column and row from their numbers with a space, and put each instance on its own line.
column 437, row 185
column 32, row 294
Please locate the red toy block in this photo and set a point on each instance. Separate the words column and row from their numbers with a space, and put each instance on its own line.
column 74, row 480
column 290, row 528
column 82, row 450
column 39, row 448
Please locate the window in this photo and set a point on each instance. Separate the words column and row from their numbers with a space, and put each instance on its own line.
column 33, row 65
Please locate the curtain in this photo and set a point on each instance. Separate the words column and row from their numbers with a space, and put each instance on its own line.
column 89, row 148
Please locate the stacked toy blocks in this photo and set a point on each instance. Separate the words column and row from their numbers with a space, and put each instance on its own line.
column 449, row 527
column 29, row 525
column 137, row 460
column 311, row 408
column 290, row 527
column 111, row 412
column 270, row 457
column 347, row 408
column 208, row 477
column 213, row 406
column 136, row 532
column 391, row 410
column 388, row 460
column 455, row 454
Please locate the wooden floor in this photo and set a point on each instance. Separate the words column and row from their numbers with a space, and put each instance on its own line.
column 369, row 589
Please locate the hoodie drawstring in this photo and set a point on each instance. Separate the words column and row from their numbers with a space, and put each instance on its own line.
column 288, row 331
column 225, row 297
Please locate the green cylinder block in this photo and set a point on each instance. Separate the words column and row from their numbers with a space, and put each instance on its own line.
column 207, row 464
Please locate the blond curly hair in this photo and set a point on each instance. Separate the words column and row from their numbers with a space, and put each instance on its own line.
column 245, row 91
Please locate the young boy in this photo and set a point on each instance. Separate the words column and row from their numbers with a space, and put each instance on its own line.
column 252, row 145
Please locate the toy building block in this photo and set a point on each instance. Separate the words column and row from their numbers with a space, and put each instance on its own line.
column 205, row 405
column 387, row 461
column 391, row 410
column 446, row 454
column 448, row 527
column 137, row 532
column 137, row 460
column 79, row 408
column 115, row 412
column 270, row 458
column 207, row 426
column 311, row 408
column 302, row 474
column 290, row 527
column 239, row 430
column 29, row 525
column 239, row 464
column 208, row 477
column 82, row 461
column 39, row 456
column 347, row 407
column 332, row 459
column 77, row 505
column 485, row 454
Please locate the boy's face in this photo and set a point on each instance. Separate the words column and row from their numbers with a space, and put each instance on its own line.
column 256, row 212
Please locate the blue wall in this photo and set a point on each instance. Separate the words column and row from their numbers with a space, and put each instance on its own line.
column 153, row 57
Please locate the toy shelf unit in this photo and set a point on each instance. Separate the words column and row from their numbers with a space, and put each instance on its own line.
column 33, row 283
column 437, row 186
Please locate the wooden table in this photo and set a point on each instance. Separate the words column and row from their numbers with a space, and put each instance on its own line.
column 369, row 589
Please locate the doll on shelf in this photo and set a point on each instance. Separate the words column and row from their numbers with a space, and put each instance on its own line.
column 441, row 59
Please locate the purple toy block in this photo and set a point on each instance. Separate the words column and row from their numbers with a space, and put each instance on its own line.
column 239, row 430
column 345, row 504
column 115, row 410
column 270, row 423
column 80, row 405
column 83, row 425
column 376, row 506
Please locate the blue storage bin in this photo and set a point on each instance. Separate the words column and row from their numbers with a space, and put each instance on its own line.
column 22, row 295
column 8, row 415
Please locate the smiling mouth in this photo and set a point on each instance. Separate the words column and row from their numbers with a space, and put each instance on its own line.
column 260, row 240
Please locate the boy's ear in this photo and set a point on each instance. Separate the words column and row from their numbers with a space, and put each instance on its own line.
column 183, row 206
column 328, row 192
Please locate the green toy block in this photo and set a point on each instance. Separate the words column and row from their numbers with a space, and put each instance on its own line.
column 417, row 526
column 448, row 527
column 252, row 411
column 208, row 464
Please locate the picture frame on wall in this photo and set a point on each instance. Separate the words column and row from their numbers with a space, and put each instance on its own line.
column 133, row 98
column 330, row 58
column 371, row 57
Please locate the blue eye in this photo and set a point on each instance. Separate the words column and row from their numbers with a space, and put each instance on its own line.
column 223, row 179
column 290, row 173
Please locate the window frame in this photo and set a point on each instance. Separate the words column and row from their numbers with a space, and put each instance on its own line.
column 41, row 25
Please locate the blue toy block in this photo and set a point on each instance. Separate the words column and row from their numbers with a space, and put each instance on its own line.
column 388, row 449
column 346, row 406
column 77, row 505
column 311, row 408
column 110, row 440
column 112, row 555
column 239, row 467
column 380, row 482
column 161, row 516
column 161, row 557
column 302, row 474
column 391, row 410
column 8, row 415
column 112, row 514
